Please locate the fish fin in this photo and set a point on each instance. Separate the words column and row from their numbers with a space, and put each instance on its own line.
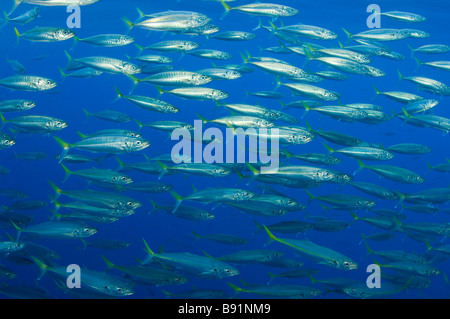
column 18, row 35
column 329, row 149
column 18, row 229
column 109, row 264
column 67, row 171
column 119, row 94
column 130, row 25
column 2, row 121
column 204, row 120
column 15, row 5
column 135, row 81
column 418, row 63
column 361, row 165
column 65, row 146
column 311, row 196
column 178, row 198
column 160, row 90
column 227, row 9
column 271, row 236
column 42, row 266
column 164, row 167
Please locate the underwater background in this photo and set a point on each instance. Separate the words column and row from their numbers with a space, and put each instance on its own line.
column 167, row 233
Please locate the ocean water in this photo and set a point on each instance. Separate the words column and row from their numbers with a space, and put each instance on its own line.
column 170, row 234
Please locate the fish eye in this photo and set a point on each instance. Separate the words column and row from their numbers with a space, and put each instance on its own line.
column 138, row 143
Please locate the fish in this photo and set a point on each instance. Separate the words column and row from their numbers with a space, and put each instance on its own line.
column 201, row 266
column 35, row 124
column 16, row 105
column 106, row 40
column 324, row 255
column 395, row 173
column 28, row 83
column 113, row 144
column 263, row 9
column 46, row 34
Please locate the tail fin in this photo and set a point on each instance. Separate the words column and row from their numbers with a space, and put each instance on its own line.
column 67, row 171
column 349, row 35
column 361, row 165
column 109, row 264
column 119, row 94
column 17, row 35
column 329, row 149
column 130, row 25
column 43, row 267
column 226, row 7
column 15, row 5
column 148, row 251
column 418, row 62
column 18, row 229
column 178, row 198
column 2, row 121
column 57, row 190
column 65, row 146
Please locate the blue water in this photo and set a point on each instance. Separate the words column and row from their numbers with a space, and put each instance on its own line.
column 172, row 234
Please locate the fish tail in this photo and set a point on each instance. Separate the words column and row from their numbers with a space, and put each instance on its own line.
column 121, row 164
column 400, row 76
column 259, row 26
column 274, row 28
column 418, row 62
column 61, row 71
column 75, row 42
column 119, row 95
column 69, row 57
column 130, row 25
column 139, row 123
column 369, row 250
column 18, row 229
column 6, row 18
column 86, row 113
column 154, row 206
column 271, row 236
column 42, row 266
column 140, row 48
column 160, row 90
column 67, row 171
column 83, row 136
column 141, row 13
column 65, row 146
column 135, row 81
column 311, row 196
column 349, row 35
column 164, row 169
column 412, row 51
column 244, row 58
column 57, row 190
column 361, row 165
column 15, row 5
column 2, row 121
column 109, row 264
column 178, row 198
column 234, row 287
column 329, row 149
column 227, row 9
column 197, row 236
column 148, row 251
column 204, row 120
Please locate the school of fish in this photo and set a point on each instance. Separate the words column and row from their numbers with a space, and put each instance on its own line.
column 127, row 179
